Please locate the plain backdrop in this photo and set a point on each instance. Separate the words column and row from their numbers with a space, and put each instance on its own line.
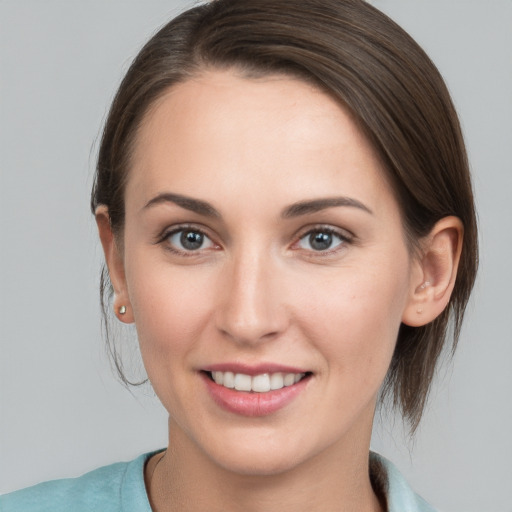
column 62, row 410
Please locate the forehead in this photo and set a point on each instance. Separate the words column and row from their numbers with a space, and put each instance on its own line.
column 222, row 132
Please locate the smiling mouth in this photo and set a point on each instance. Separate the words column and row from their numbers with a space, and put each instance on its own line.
column 262, row 383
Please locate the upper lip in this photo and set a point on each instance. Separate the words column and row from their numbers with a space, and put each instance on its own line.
column 253, row 369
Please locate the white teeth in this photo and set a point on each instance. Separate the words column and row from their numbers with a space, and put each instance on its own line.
column 261, row 383
column 242, row 382
column 289, row 379
column 276, row 381
column 258, row 383
column 228, row 380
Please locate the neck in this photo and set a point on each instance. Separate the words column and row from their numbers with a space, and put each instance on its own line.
column 185, row 479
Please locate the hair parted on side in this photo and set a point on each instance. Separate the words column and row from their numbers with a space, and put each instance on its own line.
column 371, row 66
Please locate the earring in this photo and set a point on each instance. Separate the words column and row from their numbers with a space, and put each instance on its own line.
column 425, row 285
column 122, row 310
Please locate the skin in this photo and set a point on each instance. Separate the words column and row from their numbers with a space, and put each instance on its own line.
column 257, row 291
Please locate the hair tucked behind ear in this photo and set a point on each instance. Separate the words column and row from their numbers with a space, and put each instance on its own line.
column 371, row 66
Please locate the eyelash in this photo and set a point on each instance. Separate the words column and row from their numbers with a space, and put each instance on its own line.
column 164, row 239
column 343, row 237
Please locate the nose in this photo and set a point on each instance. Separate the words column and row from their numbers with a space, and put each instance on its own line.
column 251, row 308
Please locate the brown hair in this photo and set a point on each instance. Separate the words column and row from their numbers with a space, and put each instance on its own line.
column 371, row 66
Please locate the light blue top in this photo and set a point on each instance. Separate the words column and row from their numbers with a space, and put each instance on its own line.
column 120, row 488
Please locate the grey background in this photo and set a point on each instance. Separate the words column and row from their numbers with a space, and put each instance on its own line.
column 62, row 411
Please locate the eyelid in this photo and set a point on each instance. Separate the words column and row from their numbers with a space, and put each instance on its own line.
column 172, row 230
column 343, row 233
column 345, row 236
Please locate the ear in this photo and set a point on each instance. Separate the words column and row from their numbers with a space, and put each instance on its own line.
column 115, row 264
column 437, row 265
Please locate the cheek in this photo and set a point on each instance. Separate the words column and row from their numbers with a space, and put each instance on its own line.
column 354, row 321
column 170, row 309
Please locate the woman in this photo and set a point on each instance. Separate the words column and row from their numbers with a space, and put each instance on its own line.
column 284, row 203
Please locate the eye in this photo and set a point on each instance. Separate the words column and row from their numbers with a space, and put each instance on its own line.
column 189, row 240
column 321, row 240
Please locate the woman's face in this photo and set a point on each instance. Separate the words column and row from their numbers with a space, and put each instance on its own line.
column 263, row 247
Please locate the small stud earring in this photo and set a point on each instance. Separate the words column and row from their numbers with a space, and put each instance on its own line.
column 122, row 310
column 425, row 285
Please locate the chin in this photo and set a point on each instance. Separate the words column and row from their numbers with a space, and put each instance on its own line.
column 263, row 464
column 264, row 456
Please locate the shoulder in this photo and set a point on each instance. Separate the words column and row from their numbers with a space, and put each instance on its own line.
column 117, row 487
column 398, row 493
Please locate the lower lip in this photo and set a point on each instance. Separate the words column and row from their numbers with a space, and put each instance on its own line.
column 253, row 404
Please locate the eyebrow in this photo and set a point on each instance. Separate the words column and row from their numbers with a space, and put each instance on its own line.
column 188, row 203
column 295, row 210
column 316, row 205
